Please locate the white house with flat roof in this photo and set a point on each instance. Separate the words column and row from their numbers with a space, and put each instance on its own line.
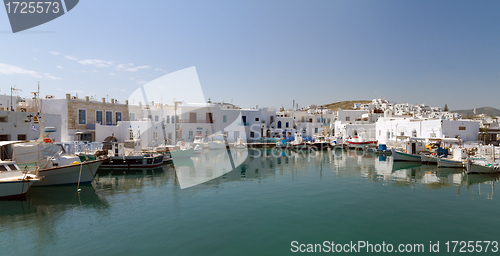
column 389, row 128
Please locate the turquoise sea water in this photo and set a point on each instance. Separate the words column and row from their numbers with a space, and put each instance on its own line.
column 272, row 199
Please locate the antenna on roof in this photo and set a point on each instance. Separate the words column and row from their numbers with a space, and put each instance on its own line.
column 13, row 89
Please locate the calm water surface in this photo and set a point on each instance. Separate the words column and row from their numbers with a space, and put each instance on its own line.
column 275, row 197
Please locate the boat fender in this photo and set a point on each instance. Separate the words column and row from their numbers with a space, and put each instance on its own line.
column 47, row 140
column 75, row 162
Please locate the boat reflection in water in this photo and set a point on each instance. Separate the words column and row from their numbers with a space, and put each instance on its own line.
column 208, row 166
column 53, row 199
column 210, row 169
column 110, row 182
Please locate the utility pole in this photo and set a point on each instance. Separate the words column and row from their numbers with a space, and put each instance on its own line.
column 175, row 120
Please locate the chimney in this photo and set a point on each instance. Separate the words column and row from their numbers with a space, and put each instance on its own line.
column 87, row 98
column 140, row 104
column 68, row 96
column 112, row 101
column 103, row 100
column 126, row 102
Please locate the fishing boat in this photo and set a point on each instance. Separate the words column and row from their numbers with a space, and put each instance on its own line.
column 403, row 156
column 129, row 155
column 359, row 143
column 298, row 142
column 482, row 167
column 320, row 143
column 412, row 153
column 48, row 159
column 13, row 182
column 456, row 160
column 449, row 163
column 51, row 161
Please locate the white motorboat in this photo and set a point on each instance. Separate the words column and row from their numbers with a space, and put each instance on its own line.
column 217, row 141
column 13, row 182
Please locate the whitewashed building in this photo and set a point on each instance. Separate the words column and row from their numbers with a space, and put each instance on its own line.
column 390, row 127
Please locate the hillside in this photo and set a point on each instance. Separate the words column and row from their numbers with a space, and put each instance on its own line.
column 345, row 104
column 484, row 110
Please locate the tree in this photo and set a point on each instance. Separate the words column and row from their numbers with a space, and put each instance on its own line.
column 446, row 109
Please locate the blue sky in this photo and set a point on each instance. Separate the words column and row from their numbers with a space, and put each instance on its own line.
column 266, row 53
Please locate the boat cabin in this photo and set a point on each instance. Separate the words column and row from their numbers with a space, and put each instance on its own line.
column 415, row 146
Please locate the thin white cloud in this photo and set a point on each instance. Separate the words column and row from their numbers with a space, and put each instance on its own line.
column 121, row 90
column 130, row 68
column 7, row 69
column 35, row 59
column 54, row 53
column 96, row 63
column 138, row 80
column 70, row 57
column 47, row 75
column 60, row 67
column 159, row 69
column 112, row 74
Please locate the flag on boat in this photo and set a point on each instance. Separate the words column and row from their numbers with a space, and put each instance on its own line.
column 33, row 128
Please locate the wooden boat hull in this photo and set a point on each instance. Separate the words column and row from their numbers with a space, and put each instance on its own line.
column 320, row 145
column 473, row 168
column 449, row 163
column 69, row 174
column 299, row 146
column 14, row 188
column 428, row 159
column 132, row 162
column 362, row 144
column 400, row 156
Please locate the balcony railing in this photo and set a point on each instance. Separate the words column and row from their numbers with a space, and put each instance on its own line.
column 188, row 121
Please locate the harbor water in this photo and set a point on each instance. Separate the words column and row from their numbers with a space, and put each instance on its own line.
column 274, row 198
